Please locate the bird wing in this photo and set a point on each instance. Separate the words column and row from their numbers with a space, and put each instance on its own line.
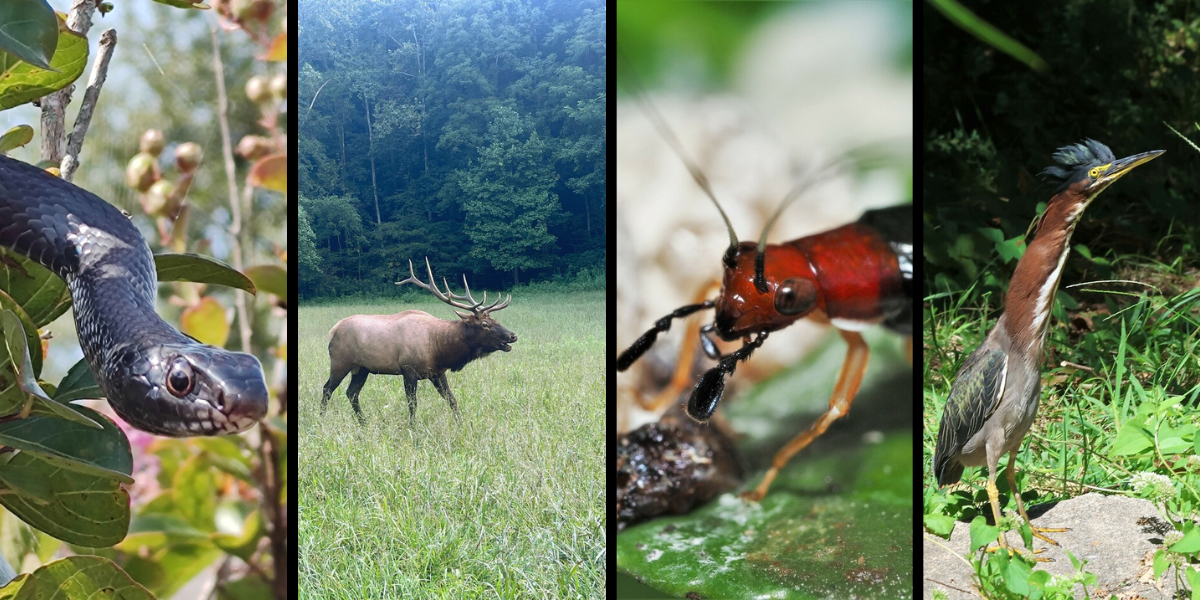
column 974, row 397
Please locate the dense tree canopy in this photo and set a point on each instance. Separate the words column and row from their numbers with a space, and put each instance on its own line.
column 471, row 132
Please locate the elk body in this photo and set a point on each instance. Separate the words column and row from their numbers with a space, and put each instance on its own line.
column 414, row 344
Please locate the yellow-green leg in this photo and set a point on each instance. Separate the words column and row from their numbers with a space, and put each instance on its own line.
column 1011, row 473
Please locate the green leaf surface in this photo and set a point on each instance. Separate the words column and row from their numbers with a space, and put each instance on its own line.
column 42, row 294
column 15, row 138
column 77, row 384
column 85, row 510
column 200, row 269
column 272, row 279
column 29, row 30
column 76, row 577
column 23, row 82
column 851, row 537
column 837, row 521
column 74, row 446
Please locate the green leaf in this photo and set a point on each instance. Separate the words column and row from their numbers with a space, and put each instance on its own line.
column 15, row 138
column 200, row 269
column 29, row 30
column 76, row 577
column 184, row 4
column 941, row 525
column 85, row 510
column 79, row 383
column 1132, row 439
column 23, row 82
column 272, row 279
column 982, row 534
column 1189, row 544
column 845, row 543
column 1161, row 563
column 73, row 446
column 40, row 293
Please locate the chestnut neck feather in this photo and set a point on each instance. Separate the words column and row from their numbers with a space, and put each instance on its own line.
column 1031, row 292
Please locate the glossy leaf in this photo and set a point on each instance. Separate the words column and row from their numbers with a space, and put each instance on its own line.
column 24, row 82
column 42, row 294
column 73, row 446
column 200, row 269
column 34, row 40
column 272, row 279
column 76, row 577
column 79, row 383
column 15, row 138
column 85, row 510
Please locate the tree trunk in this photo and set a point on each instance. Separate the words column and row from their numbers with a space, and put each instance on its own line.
column 371, row 151
column 516, row 278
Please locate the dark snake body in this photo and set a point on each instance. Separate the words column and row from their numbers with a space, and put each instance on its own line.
column 154, row 377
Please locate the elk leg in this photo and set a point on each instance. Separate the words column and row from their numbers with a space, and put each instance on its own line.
column 410, row 390
column 443, row 388
column 331, row 385
column 849, row 378
column 356, row 383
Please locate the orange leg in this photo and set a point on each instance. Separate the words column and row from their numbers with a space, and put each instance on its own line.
column 849, row 378
column 682, row 379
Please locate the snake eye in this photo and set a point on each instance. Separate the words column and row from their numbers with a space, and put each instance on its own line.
column 179, row 378
column 795, row 296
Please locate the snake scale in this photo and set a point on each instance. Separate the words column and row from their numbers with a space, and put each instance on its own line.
column 156, row 378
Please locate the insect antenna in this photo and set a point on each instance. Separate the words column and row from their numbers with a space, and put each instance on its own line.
column 665, row 131
column 760, row 282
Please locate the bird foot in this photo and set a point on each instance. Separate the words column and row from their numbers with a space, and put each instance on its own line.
column 1038, row 531
column 1025, row 553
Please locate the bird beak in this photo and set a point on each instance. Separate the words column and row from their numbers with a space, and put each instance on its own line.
column 1123, row 166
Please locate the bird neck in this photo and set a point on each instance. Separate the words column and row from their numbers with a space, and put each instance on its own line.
column 1031, row 292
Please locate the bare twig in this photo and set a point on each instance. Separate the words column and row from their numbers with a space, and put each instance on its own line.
column 54, row 106
column 70, row 161
column 235, row 202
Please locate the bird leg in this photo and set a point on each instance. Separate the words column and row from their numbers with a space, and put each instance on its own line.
column 1011, row 473
column 994, row 498
column 849, row 378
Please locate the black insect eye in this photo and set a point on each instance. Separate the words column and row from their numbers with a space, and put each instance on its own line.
column 795, row 296
column 179, row 378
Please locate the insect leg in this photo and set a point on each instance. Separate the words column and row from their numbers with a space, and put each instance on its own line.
column 849, row 378
column 682, row 377
column 634, row 352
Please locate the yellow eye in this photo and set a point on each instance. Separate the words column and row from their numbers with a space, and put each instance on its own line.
column 1094, row 173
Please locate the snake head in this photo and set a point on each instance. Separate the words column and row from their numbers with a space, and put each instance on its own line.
column 192, row 389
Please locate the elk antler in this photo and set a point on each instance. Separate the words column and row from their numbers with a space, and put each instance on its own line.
column 453, row 299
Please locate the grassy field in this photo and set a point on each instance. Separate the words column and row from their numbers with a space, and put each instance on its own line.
column 509, row 502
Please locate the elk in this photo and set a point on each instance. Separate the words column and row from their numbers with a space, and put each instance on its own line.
column 414, row 344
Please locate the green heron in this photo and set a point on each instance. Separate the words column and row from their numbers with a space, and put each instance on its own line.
column 994, row 397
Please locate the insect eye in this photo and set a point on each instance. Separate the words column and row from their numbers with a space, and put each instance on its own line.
column 795, row 296
column 179, row 378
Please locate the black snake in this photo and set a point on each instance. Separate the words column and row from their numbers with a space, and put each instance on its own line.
column 156, row 378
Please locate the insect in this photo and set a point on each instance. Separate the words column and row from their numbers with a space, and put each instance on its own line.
column 850, row 277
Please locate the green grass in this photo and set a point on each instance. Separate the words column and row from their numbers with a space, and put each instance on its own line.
column 509, row 502
column 1120, row 380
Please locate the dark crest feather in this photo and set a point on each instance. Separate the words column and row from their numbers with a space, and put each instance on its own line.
column 1075, row 159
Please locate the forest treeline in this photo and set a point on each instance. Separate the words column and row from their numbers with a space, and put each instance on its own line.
column 469, row 132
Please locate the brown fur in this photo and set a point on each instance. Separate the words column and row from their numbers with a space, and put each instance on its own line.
column 412, row 343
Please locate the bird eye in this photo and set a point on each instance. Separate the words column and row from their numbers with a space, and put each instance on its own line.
column 795, row 296
column 1095, row 172
column 179, row 378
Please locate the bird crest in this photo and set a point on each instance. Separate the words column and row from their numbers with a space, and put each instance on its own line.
column 1074, row 160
